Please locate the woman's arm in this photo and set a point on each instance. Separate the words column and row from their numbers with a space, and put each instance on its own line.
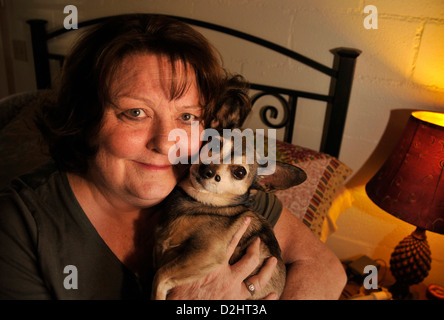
column 20, row 277
column 313, row 271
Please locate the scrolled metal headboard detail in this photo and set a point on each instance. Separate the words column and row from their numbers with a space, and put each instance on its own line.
column 337, row 99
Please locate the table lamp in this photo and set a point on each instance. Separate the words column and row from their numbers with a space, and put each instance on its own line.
column 410, row 186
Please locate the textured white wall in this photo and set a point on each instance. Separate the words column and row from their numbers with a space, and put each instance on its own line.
column 401, row 68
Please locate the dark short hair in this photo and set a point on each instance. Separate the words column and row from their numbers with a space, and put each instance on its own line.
column 83, row 92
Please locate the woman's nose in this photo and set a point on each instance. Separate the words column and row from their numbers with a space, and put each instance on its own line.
column 159, row 141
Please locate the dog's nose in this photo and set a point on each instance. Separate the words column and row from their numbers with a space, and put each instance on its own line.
column 205, row 171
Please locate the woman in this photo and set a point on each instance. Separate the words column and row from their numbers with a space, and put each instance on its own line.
column 81, row 227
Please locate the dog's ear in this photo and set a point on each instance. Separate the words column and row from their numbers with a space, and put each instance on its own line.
column 285, row 176
column 232, row 106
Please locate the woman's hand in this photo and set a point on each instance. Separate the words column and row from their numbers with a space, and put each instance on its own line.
column 227, row 281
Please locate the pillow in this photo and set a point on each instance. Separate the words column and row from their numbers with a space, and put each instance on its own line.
column 322, row 197
column 20, row 142
column 341, row 202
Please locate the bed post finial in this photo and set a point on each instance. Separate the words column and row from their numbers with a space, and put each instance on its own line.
column 340, row 89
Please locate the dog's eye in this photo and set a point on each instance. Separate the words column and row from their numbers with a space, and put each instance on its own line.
column 238, row 172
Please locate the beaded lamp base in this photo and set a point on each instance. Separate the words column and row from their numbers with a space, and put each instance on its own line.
column 410, row 263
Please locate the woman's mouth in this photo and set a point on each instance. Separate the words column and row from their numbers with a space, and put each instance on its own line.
column 154, row 167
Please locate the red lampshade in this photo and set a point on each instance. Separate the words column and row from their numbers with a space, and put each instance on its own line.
column 410, row 185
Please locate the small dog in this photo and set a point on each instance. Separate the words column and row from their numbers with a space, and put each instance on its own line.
column 203, row 213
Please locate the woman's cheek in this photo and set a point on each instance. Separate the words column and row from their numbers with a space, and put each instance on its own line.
column 123, row 145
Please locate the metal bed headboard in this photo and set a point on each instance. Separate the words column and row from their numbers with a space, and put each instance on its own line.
column 337, row 99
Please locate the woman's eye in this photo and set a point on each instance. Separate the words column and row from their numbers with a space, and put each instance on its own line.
column 135, row 113
column 188, row 117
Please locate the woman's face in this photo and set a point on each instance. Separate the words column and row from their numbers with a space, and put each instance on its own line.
column 132, row 163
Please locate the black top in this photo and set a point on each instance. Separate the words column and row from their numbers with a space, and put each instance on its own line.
column 50, row 250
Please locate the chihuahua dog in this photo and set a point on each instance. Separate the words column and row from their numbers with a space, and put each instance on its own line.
column 203, row 213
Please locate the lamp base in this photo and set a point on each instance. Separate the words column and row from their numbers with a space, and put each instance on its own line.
column 400, row 291
column 410, row 263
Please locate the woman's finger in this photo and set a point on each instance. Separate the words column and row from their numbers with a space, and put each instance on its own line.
column 249, row 262
column 261, row 279
column 237, row 236
column 271, row 296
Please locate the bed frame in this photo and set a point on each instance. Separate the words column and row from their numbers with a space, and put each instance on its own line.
column 341, row 74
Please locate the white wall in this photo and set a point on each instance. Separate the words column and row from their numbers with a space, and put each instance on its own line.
column 401, row 68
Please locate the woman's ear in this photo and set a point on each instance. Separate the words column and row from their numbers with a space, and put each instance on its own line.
column 285, row 176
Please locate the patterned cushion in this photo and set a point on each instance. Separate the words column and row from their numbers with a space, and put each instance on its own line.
column 311, row 200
